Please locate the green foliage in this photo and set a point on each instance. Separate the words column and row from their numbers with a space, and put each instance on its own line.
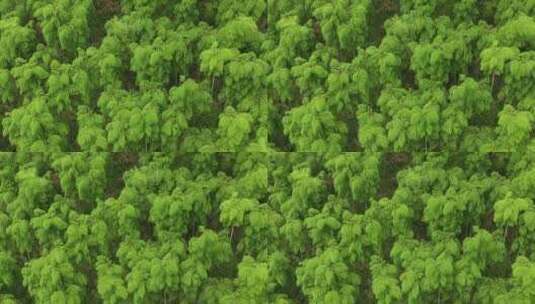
column 64, row 23
column 514, row 127
column 16, row 41
column 53, row 278
column 385, row 283
column 326, row 279
column 278, row 151
column 234, row 129
column 311, row 127
column 309, row 76
column 266, row 227
column 111, row 286
column 82, row 174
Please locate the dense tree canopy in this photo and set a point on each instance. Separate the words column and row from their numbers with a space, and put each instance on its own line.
column 267, row 151
column 252, row 227
column 292, row 76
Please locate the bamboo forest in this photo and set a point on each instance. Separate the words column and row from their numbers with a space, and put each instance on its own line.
column 267, row 151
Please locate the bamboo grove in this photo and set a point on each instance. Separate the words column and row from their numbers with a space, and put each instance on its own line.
column 267, row 151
